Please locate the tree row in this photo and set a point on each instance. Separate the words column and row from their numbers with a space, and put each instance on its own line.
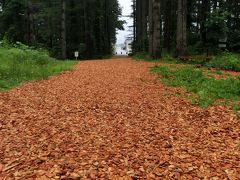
column 62, row 26
column 185, row 26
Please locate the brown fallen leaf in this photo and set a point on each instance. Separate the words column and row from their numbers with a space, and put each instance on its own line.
column 231, row 174
column 40, row 172
column 9, row 167
column 74, row 176
column 1, row 167
column 42, row 178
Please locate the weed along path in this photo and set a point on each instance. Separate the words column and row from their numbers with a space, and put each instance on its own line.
column 111, row 119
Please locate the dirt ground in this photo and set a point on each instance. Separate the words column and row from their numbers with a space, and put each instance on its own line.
column 111, row 119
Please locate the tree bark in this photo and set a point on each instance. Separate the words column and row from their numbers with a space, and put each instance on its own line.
column 30, row 29
column 138, row 24
column 134, row 26
column 156, row 53
column 141, row 24
column 63, row 30
column 167, row 25
column 204, row 12
column 182, row 28
column 150, row 19
column 144, row 25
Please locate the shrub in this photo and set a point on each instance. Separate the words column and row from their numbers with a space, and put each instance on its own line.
column 19, row 63
column 226, row 61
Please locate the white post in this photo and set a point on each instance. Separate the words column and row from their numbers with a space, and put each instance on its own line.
column 76, row 54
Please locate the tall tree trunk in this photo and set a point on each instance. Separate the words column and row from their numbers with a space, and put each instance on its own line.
column 204, row 12
column 150, row 19
column 134, row 26
column 167, row 24
column 30, row 29
column 141, row 24
column 144, row 25
column 50, row 26
column 182, row 28
column 107, row 27
column 156, row 53
column 138, row 24
column 86, row 30
column 63, row 30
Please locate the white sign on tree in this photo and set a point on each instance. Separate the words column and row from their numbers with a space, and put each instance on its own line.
column 76, row 54
column 222, row 42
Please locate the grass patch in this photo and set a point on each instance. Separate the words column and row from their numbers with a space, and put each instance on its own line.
column 20, row 63
column 206, row 90
column 143, row 56
column 223, row 61
column 218, row 72
column 166, row 58
column 226, row 61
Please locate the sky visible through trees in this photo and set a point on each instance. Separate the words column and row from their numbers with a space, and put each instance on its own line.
column 126, row 6
column 126, row 10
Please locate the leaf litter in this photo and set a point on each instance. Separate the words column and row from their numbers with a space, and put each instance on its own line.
column 109, row 119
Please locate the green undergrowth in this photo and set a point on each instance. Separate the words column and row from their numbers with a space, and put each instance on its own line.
column 223, row 61
column 20, row 63
column 226, row 61
column 145, row 57
column 205, row 90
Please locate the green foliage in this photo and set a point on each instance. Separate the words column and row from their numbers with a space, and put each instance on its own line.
column 217, row 22
column 218, row 72
column 206, row 90
column 234, row 40
column 236, row 107
column 226, row 61
column 21, row 63
column 12, row 21
column 142, row 56
column 167, row 58
column 90, row 25
column 195, row 48
column 217, row 25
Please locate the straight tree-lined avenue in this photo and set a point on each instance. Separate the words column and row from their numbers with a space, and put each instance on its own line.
column 112, row 119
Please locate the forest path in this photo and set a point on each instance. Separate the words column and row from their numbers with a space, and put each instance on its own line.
column 110, row 119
